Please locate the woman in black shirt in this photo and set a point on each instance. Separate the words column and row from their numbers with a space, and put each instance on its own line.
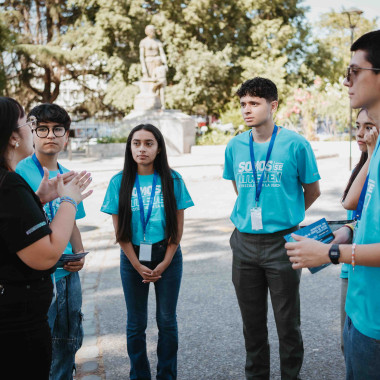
column 29, row 249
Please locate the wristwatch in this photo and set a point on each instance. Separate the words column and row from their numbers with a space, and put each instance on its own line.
column 334, row 253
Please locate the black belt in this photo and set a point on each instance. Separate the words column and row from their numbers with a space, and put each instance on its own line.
column 158, row 250
column 155, row 245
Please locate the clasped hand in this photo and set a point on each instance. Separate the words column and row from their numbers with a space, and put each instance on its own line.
column 150, row 275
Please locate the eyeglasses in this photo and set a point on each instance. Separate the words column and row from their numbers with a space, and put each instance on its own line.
column 42, row 131
column 31, row 123
column 353, row 70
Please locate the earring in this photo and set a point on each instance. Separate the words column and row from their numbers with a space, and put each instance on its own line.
column 17, row 144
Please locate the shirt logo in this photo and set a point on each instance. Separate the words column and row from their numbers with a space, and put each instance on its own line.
column 145, row 193
column 368, row 195
column 272, row 174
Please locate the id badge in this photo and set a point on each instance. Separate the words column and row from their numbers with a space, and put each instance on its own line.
column 145, row 251
column 256, row 218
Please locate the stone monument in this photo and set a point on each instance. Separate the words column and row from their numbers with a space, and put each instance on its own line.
column 149, row 105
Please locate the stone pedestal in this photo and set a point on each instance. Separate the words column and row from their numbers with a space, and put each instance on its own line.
column 178, row 128
column 147, row 99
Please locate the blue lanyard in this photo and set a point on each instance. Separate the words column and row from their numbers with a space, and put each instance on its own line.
column 144, row 221
column 359, row 208
column 35, row 159
column 259, row 185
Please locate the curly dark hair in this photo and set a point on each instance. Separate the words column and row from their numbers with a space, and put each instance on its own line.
column 51, row 113
column 260, row 87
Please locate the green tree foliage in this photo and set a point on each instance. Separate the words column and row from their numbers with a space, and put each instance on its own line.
column 5, row 43
column 211, row 46
column 53, row 45
column 326, row 98
column 333, row 41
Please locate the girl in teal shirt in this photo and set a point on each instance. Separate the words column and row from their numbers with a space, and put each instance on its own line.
column 147, row 201
column 349, row 199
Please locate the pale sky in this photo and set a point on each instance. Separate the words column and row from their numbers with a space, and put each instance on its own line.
column 371, row 8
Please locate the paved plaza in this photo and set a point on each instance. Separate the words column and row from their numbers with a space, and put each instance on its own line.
column 211, row 342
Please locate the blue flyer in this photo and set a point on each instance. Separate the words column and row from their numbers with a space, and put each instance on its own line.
column 319, row 230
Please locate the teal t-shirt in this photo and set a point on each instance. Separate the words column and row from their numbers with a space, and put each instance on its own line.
column 363, row 294
column 29, row 171
column 155, row 230
column 291, row 163
column 345, row 267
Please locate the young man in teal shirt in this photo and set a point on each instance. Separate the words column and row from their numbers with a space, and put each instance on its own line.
column 275, row 176
column 64, row 316
column 362, row 327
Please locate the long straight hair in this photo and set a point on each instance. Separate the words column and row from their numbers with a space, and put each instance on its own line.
column 10, row 112
column 359, row 165
column 124, row 228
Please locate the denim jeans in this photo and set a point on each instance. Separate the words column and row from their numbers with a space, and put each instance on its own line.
column 260, row 263
column 361, row 353
column 136, row 298
column 65, row 321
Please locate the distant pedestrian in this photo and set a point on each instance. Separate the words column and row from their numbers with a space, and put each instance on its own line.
column 275, row 176
column 147, row 202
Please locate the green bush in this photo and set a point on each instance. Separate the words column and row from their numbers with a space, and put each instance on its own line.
column 232, row 114
column 112, row 140
column 214, row 137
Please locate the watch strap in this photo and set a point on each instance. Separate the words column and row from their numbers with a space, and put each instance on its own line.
column 334, row 253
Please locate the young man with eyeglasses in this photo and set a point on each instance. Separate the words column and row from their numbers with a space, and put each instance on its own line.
column 362, row 327
column 51, row 133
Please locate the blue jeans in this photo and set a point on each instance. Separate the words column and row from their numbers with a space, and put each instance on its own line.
column 65, row 321
column 136, row 299
column 361, row 353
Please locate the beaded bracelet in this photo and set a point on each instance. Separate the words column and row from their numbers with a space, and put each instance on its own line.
column 70, row 200
column 353, row 256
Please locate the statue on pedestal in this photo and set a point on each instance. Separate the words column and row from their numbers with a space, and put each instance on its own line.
column 154, row 68
column 149, row 106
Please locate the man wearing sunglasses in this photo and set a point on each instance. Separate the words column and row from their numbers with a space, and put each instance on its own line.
column 50, row 125
column 362, row 328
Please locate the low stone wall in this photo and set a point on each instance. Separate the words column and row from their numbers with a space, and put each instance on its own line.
column 106, row 150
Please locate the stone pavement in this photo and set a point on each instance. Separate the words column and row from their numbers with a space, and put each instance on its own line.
column 210, row 328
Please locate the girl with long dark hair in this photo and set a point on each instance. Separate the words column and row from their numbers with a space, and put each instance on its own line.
column 30, row 248
column 366, row 137
column 147, row 201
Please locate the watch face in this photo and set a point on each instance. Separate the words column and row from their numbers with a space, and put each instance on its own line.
column 334, row 254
